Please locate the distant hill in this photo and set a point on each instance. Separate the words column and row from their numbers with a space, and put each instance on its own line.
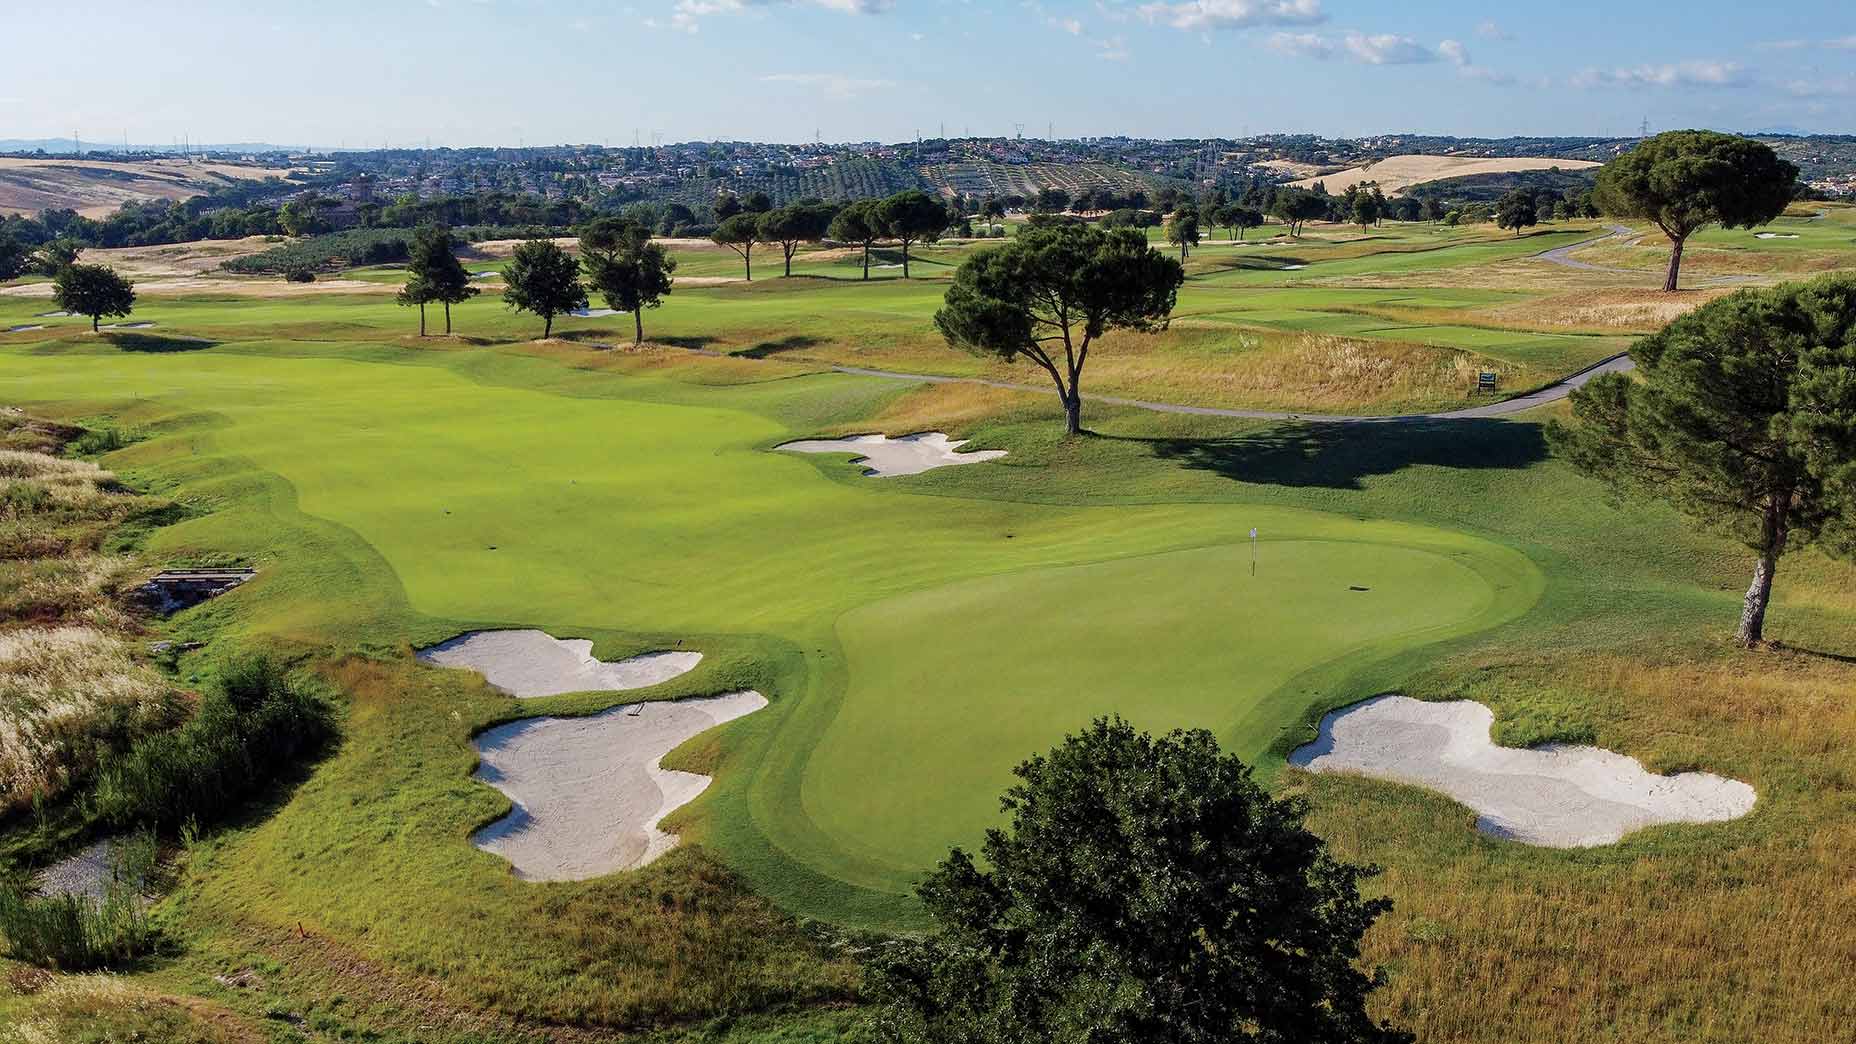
column 1395, row 174
column 94, row 188
column 1487, row 188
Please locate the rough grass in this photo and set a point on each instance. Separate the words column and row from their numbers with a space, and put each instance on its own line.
column 1672, row 935
column 110, row 1009
column 70, row 697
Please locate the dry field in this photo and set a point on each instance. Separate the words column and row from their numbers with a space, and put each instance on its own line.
column 1398, row 173
column 94, row 188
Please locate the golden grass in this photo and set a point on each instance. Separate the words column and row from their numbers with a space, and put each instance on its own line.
column 952, row 408
column 1397, row 173
column 67, row 695
column 1687, row 933
column 108, row 1009
column 1619, row 309
column 1650, row 254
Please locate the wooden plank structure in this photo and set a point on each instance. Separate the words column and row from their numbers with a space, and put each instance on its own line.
column 172, row 590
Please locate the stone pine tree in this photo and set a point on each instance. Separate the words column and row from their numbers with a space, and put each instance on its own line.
column 1743, row 417
column 912, row 217
column 1052, row 292
column 1686, row 180
column 416, row 292
column 790, row 226
column 1147, row 891
column 740, row 233
column 543, row 279
column 93, row 290
column 626, row 268
column 859, row 224
column 1182, row 229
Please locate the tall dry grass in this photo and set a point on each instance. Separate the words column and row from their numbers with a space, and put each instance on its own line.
column 1723, row 933
column 70, row 697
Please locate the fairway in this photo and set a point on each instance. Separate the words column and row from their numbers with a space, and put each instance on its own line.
column 471, row 492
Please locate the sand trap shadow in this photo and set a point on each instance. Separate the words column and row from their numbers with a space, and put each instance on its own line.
column 1555, row 795
column 589, row 793
column 530, row 663
column 884, row 457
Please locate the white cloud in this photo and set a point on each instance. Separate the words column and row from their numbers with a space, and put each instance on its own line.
column 1388, row 49
column 1071, row 26
column 1113, row 49
column 1455, row 53
column 1302, row 45
column 1669, row 74
column 1234, row 14
column 688, row 13
column 832, row 85
column 1488, row 30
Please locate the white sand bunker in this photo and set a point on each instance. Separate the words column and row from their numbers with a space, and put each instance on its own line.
column 590, row 792
column 527, row 664
column 592, row 313
column 23, row 329
column 884, row 457
column 1772, row 235
column 1557, row 795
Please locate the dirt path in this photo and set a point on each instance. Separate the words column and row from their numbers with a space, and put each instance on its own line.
column 1563, row 255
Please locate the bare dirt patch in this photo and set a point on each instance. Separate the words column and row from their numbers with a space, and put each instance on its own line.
column 1397, row 173
column 96, row 188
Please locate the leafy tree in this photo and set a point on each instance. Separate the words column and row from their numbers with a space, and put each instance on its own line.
column 436, row 274
column 757, row 203
column 626, row 268
column 859, row 223
column 675, row 219
column 1686, row 180
column 303, row 217
column 1061, row 284
column 1365, row 208
column 1148, row 891
column 1052, row 200
column 993, row 210
column 55, row 255
column 1297, row 206
column 1182, row 229
column 740, row 234
column 1516, row 210
column 1241, row 218
column 725, row 206
column 1744, row 418
column 912, row 216
column 15, row 259
column 543, row 279
column 792, row 225
column 93, row 290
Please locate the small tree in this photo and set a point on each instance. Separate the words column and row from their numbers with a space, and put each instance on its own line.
column 15, row 259
column 740, row 234
column 725, row 207
column 1296, row 206
column 626, row 268
column 858, row 223
column 93, row 290
column 791, row 225
column 543, row 279
column 1147, row 891
column 910, row 217
column 1744, row 418
column 1686, row 180
column 1516, row 210
column 436, row 274
column 1182, row 229
column 55, row 255
column 1365, row 208
column 1242, row 218
column 1056, row 284
column 757, row 203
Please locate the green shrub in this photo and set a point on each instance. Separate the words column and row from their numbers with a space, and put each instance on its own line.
column 249, row 731
column 78, row 933
column 98, row 441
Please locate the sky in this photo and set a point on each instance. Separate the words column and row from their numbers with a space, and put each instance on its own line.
column 354, row 73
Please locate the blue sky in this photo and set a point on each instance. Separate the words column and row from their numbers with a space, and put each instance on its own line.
column 463, row 72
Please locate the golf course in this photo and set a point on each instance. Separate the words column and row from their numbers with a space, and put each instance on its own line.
column 916, row 637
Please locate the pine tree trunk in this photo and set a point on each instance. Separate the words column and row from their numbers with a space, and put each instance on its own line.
column 447, row 318
column 1675, row 266
column 547, row 326
column 422, row 319
column 1759, row 595
column 905, row 259
column 95, row 322
column 638, row 322
column 1073, row 413
column 866, row 262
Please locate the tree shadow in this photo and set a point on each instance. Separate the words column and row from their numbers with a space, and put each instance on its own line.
column 144, row 342
column 767, row 349
column 1340, row 456
column 698, row 343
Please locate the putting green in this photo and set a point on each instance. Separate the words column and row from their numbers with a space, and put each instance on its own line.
column 937, row 639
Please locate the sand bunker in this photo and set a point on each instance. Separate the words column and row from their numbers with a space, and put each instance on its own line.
column 23, row 329
column 592, row 313
column 1772, row 235
column 1557, row 795
column 590, row 792
column 53, row 315
column 884, row 457
column 126, row 326
column 527, row 664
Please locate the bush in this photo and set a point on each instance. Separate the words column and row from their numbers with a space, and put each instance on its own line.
column 95, row 442
column 300, row 274
column 248, row 733
column 78, row 933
